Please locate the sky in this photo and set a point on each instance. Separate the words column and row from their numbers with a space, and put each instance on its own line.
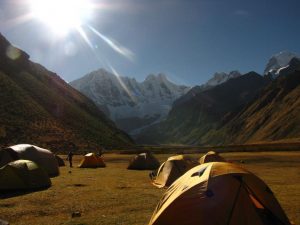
column 188, row 40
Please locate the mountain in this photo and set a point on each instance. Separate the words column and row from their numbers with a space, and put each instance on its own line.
column 248, row 109
column 278, row 61
column 131, row 104
column 273, row 115
column 193, row 120
column 38, row 107
column 217, row 79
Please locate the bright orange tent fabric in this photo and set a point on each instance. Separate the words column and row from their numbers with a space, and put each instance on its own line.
column 90, row 160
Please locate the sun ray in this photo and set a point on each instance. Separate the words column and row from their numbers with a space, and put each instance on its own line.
column 115, row 46
column 122, row 83
column 85, row 37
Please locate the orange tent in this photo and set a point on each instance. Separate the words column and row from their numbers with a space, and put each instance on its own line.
column 90, row 160
column 218, row 193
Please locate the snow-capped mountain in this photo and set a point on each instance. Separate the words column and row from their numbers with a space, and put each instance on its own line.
column 219, row 78
column 277, row 62
column 131, row 104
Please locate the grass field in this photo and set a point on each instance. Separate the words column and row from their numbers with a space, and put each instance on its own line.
column 115, row 196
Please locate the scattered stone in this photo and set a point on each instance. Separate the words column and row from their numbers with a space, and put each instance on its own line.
column 76, row 214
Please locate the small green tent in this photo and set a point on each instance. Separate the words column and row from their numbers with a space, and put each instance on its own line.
column 7, row 155
column 43, row 157
column 143, row 161
column 23, row 175
column 60, row 161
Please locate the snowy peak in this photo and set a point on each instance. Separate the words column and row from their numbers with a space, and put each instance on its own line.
column 125, row 97
column 279, row 61
column 294, row 65
column 219, row 78
column 160, row 77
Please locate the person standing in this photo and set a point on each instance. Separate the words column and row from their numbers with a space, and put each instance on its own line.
column 70, row 157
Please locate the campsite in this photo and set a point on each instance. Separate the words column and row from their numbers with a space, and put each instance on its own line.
column 115, row 195
column 138, row 112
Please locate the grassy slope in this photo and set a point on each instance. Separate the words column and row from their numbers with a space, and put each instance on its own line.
column 38, row 107
column 114, row 195
column 273, row 115
column 190, row 121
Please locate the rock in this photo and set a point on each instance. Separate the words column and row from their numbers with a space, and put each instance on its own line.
column 76, row 214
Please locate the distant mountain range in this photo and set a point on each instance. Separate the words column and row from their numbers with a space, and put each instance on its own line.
column 248, row 108
column 38, row 107
column 133, row 105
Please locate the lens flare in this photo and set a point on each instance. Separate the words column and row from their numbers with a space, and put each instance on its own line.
column 61, row 16
column 122, row 84
column 115, row 46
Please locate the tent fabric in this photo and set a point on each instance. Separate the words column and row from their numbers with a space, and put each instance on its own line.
column 211, row 156
column 172, row 169
column 23, row 175
column 218, row 193
column 90, row 160
column 143, row 161
column 60, row 161
column 43, row 157
column 7, row 155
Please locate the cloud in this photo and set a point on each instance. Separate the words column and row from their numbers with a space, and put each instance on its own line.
column 241, row 12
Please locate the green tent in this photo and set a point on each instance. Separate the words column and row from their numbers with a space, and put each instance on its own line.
column 23, row 174
column 143, row 161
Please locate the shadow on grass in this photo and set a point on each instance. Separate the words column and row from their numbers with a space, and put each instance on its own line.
column 15, row 193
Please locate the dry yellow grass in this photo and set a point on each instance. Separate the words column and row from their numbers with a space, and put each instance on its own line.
column 115, row 196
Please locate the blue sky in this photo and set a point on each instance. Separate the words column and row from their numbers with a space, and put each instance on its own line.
column 189, row 40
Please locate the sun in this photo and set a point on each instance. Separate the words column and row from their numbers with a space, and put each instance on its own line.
column 62, row 16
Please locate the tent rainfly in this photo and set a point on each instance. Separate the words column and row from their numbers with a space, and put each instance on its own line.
column 23, row 175
column 172, row 169
column 90, row 160
column 218, row 193
column 43, row 157
column 211, row 156
column 143, row 161
column 60, row 161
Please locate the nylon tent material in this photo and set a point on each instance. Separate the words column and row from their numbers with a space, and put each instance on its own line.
column 211, row 156
column 143, row 161
column 23, row 175
column 7, row 155
column 90, row 160
column 172, row 169
column 43, row 157
column 60, row 161
column 218, row 193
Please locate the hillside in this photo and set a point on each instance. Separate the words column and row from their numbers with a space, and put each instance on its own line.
column 192, row 120
column 274, row 115
column 38, row 107
column 247, row 109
